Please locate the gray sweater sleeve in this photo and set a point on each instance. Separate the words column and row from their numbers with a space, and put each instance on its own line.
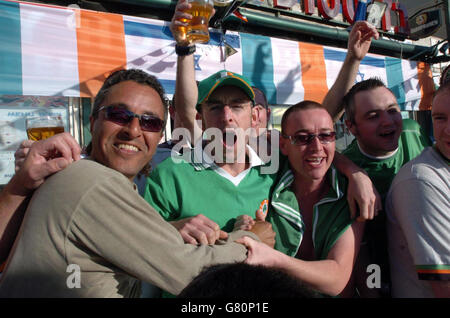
column 115, row 223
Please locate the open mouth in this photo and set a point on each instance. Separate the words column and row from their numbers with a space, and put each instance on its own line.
column 229, row 139
column 388, row 134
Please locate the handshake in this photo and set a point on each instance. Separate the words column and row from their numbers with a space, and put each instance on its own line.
column 200, row 230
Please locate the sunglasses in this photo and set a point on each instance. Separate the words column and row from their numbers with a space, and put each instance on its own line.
column 306, row 139
column 123, row 116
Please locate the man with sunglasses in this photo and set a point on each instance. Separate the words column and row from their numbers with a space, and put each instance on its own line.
column 88, row 233
column 309, row 209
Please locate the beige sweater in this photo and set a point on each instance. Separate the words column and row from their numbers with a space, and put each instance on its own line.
column 91, row 216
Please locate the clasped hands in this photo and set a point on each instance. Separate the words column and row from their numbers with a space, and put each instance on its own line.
column 200, row 230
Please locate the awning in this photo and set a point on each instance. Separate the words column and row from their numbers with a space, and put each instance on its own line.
column 58, row 51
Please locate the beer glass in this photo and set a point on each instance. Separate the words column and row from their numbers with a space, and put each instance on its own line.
column 43, row 127
column 197, row 30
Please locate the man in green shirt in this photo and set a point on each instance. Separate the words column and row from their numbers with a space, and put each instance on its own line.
column 383, row 144
column 318, row 239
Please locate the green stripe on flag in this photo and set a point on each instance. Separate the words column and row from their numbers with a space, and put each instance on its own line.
column 10, row 49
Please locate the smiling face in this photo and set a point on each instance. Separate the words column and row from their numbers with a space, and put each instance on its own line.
column 441, row 122
column 229, row 108
column 126, row 148
column 378, row 122
column 310, row 162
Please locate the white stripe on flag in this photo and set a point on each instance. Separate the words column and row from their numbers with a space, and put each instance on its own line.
column 155, row 52
column 287, row 75
column 372, row 66
column 413, row 94
column 49, row 51
column 334, row 58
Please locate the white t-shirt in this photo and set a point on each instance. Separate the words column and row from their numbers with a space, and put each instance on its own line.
column 418, row 211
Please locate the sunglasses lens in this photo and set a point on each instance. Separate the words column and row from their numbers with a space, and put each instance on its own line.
column 152, row 124
column 328, row 137
column 118, row 115
column 301, row 139
column 123, row 117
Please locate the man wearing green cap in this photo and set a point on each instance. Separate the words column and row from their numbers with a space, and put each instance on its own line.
column 230, row 178
column 226, row 171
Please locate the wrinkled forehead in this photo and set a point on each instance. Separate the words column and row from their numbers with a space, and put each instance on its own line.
column 379, row 98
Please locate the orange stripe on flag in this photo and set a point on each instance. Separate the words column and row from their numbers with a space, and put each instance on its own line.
column 426, row 84
column 101, row 49
column 314, row 76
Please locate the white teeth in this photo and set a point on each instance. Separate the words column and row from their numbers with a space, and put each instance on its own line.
column 315, row 160
column 128, row 147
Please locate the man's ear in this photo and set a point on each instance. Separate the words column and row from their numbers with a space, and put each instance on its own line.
column 351, row 126
column 255, row 117
column 283, row 145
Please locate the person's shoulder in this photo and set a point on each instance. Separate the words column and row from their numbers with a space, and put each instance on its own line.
column 410, row 125
column 352, row 149
column 423, row 167
column 85, row 171
column 174, row 165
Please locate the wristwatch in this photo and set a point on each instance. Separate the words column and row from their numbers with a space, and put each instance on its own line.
column 184, row 50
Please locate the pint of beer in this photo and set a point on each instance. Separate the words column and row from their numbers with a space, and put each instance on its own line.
column 43, row 127
column 197, row 30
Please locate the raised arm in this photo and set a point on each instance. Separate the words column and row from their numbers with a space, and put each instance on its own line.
column 186, row 93
column 358, row 45
column 34, row 162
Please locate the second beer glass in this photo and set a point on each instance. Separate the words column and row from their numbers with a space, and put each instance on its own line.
column 44, row 127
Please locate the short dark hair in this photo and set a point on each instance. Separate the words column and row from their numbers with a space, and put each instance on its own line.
column 241, row 280
column 306, row 104
column 445, row 76
column 349, row 98
column 134, row 75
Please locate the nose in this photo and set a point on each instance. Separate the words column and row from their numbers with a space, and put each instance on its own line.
column 315, row 144
column 387, row 119
column 133, row 128
column 227, row 114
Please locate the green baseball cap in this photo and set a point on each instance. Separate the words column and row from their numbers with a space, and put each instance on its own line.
column 222, row 78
